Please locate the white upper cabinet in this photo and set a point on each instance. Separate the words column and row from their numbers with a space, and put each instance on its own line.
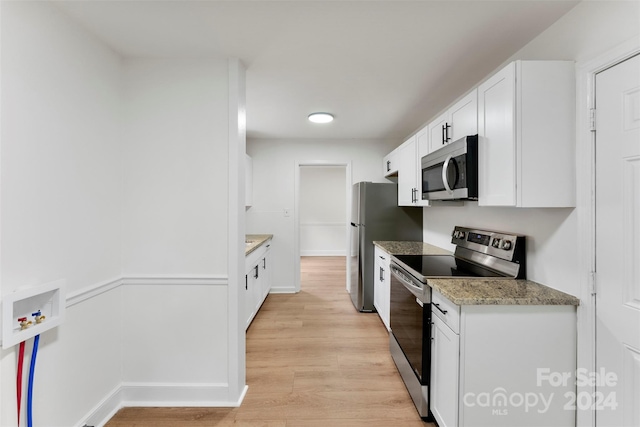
column 463, row 117
column 407, row 173
column 410, row 169
column 460, row 120
column 390, row 163
column 424, row 147
column 437, row 129
column 526, row 115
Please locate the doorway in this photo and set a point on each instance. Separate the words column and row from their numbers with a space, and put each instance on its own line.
column 617, row 248
column 322, row 201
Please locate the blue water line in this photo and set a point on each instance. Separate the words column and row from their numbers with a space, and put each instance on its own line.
column 32, row 370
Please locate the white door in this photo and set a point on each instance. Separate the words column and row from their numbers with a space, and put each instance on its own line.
column 617, row 399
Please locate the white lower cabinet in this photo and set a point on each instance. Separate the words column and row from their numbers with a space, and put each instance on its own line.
column 502, row 365
column 381, row 285
column 257, row 281
column 445, row 368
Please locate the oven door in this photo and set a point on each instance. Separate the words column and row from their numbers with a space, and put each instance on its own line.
column 410, row 320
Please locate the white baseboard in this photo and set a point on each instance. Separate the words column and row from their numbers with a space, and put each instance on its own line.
column 103, row 411
column 184, row 395
column 311, row 252
column 213, row 395
column 282, row 290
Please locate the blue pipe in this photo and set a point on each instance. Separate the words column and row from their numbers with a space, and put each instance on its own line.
column 32, row 370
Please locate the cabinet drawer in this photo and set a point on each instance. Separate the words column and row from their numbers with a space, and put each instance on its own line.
column 447, row 311
column 382, row 257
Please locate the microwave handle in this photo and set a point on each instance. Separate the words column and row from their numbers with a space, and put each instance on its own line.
column 445, row 169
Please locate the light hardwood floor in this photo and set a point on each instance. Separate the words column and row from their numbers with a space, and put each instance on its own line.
column 312, row 361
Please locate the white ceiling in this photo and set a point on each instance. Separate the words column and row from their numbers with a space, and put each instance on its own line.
column 382, row 68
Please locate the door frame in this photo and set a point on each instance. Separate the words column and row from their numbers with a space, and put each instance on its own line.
column 586, row 72
column 296, row 210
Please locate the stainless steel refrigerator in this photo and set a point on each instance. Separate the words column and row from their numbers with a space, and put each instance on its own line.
column 375, row 215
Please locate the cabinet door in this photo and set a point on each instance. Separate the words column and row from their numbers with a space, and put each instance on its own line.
column 249, row 305
column 423, row 147
column 381, row 281
column 385, row 289
column 445, row 368
column 463, row 117
column 437, row 131
column 390, row 163
column 266, row 274
column 381, row 291
column 497, row 139
column 256, row 291
column 407, row 173
column 377, row 287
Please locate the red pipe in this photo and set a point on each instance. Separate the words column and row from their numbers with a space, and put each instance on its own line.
column 19, row 378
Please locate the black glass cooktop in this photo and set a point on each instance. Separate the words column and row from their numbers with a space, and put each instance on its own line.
column 442, row 266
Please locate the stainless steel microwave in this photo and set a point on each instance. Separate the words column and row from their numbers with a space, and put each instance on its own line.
column 451, row 172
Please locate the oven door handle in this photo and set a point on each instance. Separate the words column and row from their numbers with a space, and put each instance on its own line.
column 415, row 290
column 445, row 172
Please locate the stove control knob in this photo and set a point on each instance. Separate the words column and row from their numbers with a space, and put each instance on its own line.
column 506, row 245
column 459, row 234
column 496, row 243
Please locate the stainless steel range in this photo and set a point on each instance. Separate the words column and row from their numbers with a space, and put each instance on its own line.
column 478, row 254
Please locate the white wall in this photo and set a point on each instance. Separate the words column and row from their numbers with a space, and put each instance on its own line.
column 175, row 230
column 115, row 177
column 274, row 163
column 323, row 210
column 175, row 167
column 61, row 177
column 551, row 234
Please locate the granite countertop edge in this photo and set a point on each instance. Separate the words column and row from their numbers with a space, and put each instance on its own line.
column 256, row 240
column 410, row 248
column 500, row 292
column 462, row 291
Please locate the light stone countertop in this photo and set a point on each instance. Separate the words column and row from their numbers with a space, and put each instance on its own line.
column 500, row 292
column 476, row 291
column 410, row 248
column 254, row 241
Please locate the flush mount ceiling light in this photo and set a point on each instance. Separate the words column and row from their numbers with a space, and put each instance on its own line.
column 320, row 117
